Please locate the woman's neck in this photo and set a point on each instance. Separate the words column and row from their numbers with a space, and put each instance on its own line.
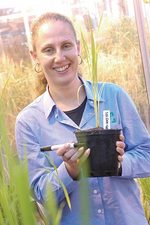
column 70, row 96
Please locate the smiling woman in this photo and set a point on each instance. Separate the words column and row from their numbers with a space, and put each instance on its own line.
column 57, row 54
column 53, row 118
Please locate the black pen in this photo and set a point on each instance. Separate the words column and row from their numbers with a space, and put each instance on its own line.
column 55, row 147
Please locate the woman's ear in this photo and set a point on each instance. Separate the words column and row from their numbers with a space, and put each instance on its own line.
column 33, row 55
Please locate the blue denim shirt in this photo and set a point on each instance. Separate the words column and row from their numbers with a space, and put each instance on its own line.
column 112, row 200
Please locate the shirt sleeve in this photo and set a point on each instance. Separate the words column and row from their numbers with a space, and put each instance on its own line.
column 42, row 173
column 136, row 162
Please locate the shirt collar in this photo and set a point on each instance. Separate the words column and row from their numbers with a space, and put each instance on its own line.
column 89, row 90
column 48, row 103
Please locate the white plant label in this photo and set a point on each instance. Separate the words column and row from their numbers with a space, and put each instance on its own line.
column 106, row 119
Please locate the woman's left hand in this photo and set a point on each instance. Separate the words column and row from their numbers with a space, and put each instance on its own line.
column 120, row 146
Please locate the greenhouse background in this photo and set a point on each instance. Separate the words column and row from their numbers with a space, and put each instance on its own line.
column 124, row 40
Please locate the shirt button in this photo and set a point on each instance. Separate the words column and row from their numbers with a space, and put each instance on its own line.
column 95, row 191
column 99, row 211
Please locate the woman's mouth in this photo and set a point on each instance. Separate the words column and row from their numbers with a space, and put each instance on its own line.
column 61, row 69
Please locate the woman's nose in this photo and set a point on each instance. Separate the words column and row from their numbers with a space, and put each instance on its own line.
column 59, row 56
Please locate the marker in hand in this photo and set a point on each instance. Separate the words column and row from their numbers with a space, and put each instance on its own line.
column 55, row 147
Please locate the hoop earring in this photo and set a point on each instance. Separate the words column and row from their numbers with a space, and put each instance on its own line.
column 37, row 68
column 81, row 60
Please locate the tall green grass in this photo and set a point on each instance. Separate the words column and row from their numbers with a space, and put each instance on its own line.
column 145, row 192
column 15, row 203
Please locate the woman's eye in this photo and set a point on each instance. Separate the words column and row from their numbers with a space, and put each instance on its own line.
column 49, row 50
column 66, row 46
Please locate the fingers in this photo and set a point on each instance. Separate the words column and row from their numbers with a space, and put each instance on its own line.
column 72, row 154
column 61, row 151
column 84, row 156
column 120, row 150
column 121, row 143
column 120, row 147
column 120, row 158
column 78, row 153
column 121, row 137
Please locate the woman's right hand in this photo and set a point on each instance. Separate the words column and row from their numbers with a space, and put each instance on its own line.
column 72, row 158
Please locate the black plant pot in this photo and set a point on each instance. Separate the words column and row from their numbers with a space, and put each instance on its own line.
column 103, row 159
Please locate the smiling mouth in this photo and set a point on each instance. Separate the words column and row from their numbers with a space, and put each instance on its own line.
column 61, row 69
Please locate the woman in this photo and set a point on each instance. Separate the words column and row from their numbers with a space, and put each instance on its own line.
column 54, row 116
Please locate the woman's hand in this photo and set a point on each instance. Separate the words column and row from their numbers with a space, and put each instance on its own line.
column 71, row 157
column 120, row 147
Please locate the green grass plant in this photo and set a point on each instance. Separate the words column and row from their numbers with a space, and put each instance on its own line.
column 145, row 192
column 16, row 203
column 91, row 55
column 16, row 206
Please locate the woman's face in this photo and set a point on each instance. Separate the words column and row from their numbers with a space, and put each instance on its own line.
column 57, row 52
